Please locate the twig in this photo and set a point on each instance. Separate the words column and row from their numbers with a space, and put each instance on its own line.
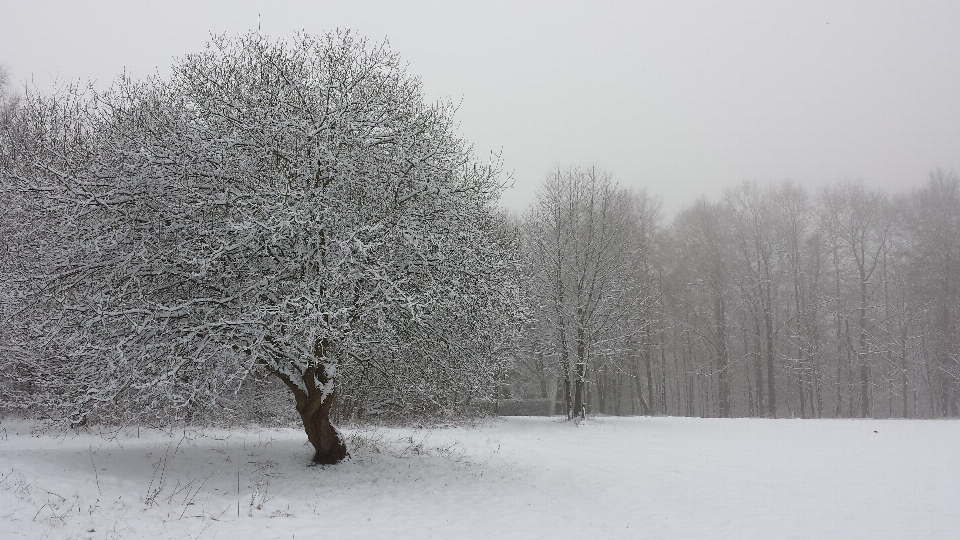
column 221, row 514
column 203, row 530
column 96, row 475
column 189, row 499
column 38, row 511
column 162, row 467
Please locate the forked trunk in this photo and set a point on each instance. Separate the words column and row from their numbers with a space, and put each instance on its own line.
column 325, row 438
column 314, row 406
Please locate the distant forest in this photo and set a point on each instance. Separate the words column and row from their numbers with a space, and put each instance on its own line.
column 774, row 301
column 161, row 261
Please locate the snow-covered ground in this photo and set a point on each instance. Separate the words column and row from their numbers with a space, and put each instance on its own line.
column 507, row 478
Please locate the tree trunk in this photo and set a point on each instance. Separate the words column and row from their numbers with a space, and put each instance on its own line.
column 771, row 381
column 564, row 366
column 601, row 377
column 542, row 376
column 644, row 407
column 325, row 439
column 578, row 404
column 758, row 366
column 580, row 373
column 800, row 335
column 314, row 406
column 646, row 362
column 663, row 378
column 617, row 393
column 557, row 404
column 723, row 390
column 862, row 351
column 904, row 369
column 587, row 397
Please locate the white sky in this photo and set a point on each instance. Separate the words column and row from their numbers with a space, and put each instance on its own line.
column 683, row 98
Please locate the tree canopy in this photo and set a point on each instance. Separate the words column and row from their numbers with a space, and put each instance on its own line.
column 291, row 207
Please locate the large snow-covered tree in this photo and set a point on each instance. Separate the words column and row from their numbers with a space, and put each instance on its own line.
column 290, row 207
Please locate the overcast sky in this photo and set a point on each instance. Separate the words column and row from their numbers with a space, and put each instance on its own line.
column 682, row 98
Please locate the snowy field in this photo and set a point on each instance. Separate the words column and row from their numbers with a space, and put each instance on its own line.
column 508, row 478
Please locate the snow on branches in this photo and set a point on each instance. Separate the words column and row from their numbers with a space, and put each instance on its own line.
column 288, row 206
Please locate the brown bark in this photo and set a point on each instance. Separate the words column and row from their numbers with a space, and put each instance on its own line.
column 327, row 442
column 314, row 409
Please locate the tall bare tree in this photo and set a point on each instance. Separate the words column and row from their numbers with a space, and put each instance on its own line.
column 935, row 221
column 580, row 246
column 752, row 220
column 862, row 219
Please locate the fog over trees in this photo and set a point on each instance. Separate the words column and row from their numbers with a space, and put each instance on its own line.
column 774, row 301
column 296, row 210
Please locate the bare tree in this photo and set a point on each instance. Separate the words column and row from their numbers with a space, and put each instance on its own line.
column 752, row 218
column 844, row 305
column 935, row 223
column 798, row 252
column 580, row 230
column 862, row 220
column 646, row 278
column 699, row 299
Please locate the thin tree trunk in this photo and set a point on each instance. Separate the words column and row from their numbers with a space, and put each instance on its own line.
column 746, row 365
column 904, row 368
column 557, row 404
column 663, row 377
column 644, row 406
column 761, row 409
column 862, row 352
column 723, row 384
column 601, row 377
column 646, row 361
column 771, row 382
column 542, row 376
column 580, row 373
column 578, row 403
column 618, row 392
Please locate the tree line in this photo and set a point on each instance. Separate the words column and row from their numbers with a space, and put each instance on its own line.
column 774, row 301
column 296, row 211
